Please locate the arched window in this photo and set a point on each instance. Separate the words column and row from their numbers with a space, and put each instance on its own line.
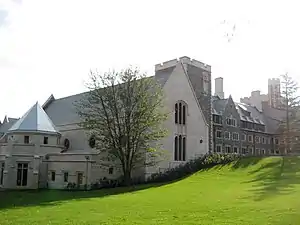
column 183, row 148
column 176, row 148
column 176, row 113
column 180, row 148
column 183, row 114
column 180, row 113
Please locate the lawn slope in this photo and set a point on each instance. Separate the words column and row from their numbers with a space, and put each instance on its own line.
column 250, row 191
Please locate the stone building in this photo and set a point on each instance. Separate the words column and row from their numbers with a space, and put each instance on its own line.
column 46, row 148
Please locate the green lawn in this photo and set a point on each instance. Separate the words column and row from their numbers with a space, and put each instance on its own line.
column 251, row 192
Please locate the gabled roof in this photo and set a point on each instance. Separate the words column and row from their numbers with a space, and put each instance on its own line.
column 8, row 124
column 34, row 120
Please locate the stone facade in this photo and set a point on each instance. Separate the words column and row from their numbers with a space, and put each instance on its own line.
column 46, row 148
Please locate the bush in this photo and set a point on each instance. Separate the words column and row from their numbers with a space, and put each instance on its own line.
column 192, row 166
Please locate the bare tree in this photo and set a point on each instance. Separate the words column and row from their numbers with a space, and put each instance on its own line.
column 289, row 129
column 125, row 112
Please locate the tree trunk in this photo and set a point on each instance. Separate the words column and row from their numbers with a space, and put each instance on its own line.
column 127, row 177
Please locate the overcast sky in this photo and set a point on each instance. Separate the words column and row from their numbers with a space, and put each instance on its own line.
column 48, row 46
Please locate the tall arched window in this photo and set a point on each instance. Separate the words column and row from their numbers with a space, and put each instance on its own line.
column 176, row 113
column 183, row 114
column 179, row 148
column 183, row 148
column 176, row 148
column 180, row 113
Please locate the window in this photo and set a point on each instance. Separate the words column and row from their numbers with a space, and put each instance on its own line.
column 227, row 135
column 243, row 137
column 219, row 148
column 22, row 172
column 250, row 138
column 2, row 173
column 26, row 139
column 180, row 113
column 251, row 150
column 217, row 119
column 227, row 149
column 263, row 140
column 257, row 139
column 79, row 178
column 276, row 141
column 244, row 150
column 231, row 122
column 235, row 149
column 180, row 148
column 110, row 170
column 263, row 152
column 219, row 134
column 52, row 175
column 257, row 151
column 235, row 136
column 66, row 176
column 45, row 140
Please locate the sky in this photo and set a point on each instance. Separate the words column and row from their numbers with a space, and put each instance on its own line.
column 49, row 46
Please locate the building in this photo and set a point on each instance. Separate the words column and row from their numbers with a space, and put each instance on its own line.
column 46, row 148
column 274, row 94
column 273, row 98
column 248, row 129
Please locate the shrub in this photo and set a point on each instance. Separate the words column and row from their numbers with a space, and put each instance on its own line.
column 192, row 166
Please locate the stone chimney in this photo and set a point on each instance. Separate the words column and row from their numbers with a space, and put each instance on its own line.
column 219, row 87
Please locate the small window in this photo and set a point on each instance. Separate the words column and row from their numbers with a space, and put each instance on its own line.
column 263, row 152
column 66, row 176
column 243, row 137
column 257, row 139
column 26, row 139
column 257, row 151
column 235, row 136
column 110, row 170
column 79, row 178
column 235, row 149
column 263, row 140
column 53, row 176
column 2, row 172
column 45, row 140
column 250, row 138
column 219, row 134
column 228, row 149
column 276, row 141
column 244, row 150
column 227, row 135
column 218, row 148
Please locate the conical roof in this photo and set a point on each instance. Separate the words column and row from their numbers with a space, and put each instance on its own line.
column 34, row 120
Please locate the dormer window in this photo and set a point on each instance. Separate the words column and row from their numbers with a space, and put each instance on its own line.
column 26, row 139
column 45, row 140
column 180, row 113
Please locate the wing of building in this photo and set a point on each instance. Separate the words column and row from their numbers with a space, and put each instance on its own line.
column 46, row 148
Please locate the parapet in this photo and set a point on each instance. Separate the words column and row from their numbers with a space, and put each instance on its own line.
column 184, row 60
column 273, row 81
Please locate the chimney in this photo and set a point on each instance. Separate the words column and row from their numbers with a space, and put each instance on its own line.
column 219, row 87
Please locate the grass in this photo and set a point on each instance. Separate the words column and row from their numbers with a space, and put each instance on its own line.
column 250, row 191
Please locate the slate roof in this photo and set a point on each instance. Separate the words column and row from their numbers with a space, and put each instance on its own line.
column 7, row 124
column 269, row 117
column 34, row 120
column 62, row 111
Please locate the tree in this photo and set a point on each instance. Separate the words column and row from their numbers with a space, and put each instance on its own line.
column 289, row 128
column 124, row 111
